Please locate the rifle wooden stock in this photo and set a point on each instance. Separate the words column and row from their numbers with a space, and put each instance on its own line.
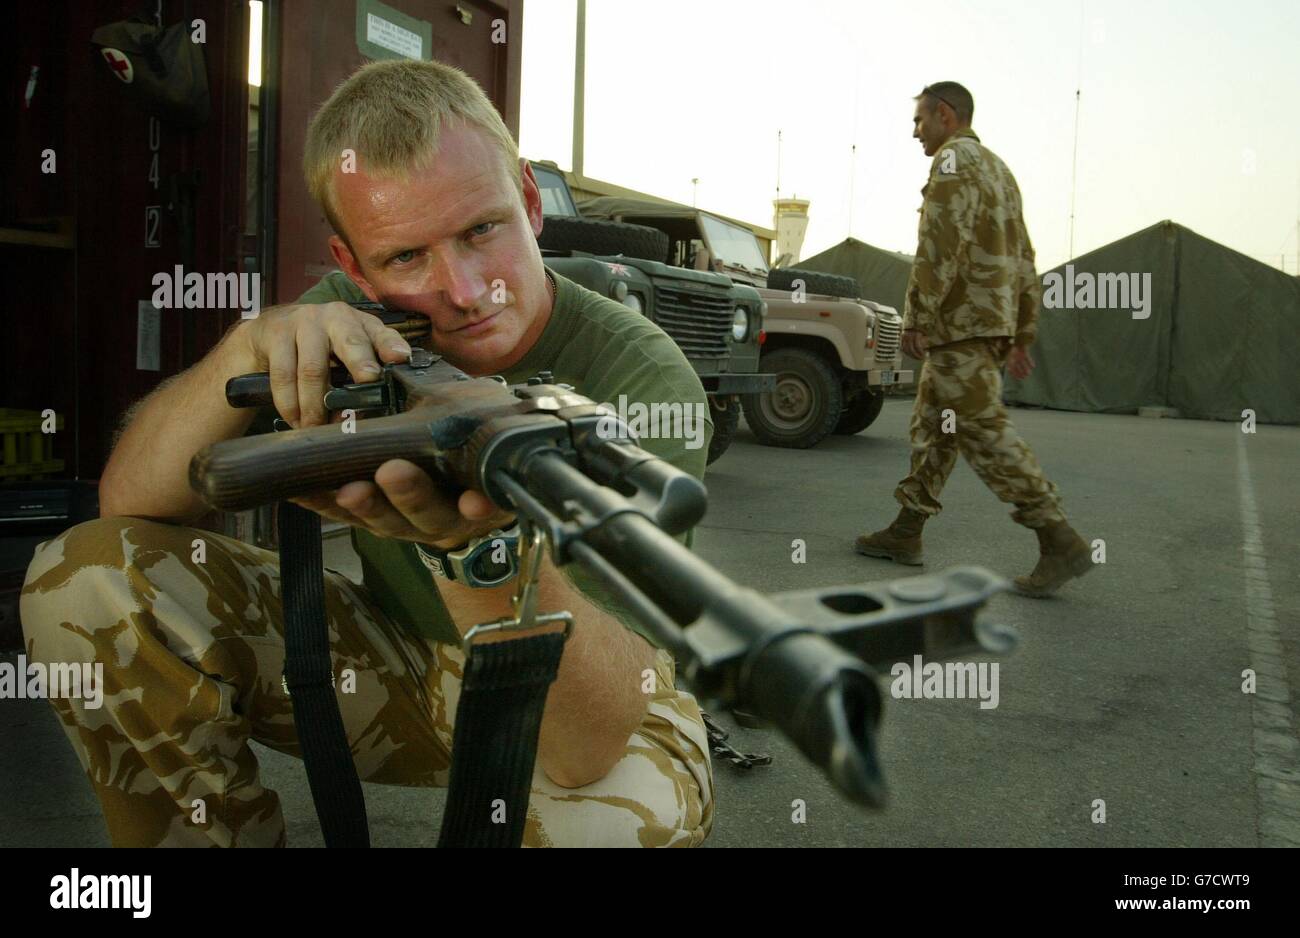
column 240, row 474
column 445, row 420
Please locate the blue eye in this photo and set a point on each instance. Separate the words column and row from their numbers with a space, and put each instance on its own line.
column 404, row 258
column 484, row 228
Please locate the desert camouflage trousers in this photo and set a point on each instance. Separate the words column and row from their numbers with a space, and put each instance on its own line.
column 965, row 379
column 193, row 655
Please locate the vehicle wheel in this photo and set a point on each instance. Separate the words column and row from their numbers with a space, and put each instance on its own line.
column 725, row 422
column 804, row 407
column 606, row 238
column 814, row 281
column 860, row 413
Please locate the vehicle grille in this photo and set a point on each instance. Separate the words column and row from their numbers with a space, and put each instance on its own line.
column 698, row 319
column 887, row 336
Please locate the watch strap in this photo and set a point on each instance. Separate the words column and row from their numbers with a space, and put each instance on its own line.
column 448, row 564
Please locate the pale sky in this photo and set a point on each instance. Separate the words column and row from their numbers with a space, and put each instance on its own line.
column 1188, row 109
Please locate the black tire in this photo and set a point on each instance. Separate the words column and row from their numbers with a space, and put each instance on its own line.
column 814, row 281
column 860, row 413
column 606, row 238
column 805, row 406
column 725, row 422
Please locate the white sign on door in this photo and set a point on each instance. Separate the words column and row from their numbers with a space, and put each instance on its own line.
column 393, row 37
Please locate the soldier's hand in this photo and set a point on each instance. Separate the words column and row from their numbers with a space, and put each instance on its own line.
column 914, row 344
column 293, row 344
column 403, row 502
column 1019, row 364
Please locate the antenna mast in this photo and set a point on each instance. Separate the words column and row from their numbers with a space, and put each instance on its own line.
column 778, row 164
column 853, row 168
column 1074, row 163
column 853, row 148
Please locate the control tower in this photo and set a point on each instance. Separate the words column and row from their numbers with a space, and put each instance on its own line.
column 790, row 219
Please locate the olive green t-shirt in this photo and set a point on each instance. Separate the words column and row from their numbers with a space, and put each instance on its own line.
column 605, row 350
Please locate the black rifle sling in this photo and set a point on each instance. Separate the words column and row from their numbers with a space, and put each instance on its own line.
column 494, row 744
column 309, row 676
column 498, row 719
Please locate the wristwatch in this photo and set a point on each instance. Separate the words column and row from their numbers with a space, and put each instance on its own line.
column 485, row 561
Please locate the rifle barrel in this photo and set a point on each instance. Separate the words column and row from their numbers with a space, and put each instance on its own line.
column 826, row 700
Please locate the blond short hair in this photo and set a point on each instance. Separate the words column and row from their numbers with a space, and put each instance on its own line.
column 390, row 114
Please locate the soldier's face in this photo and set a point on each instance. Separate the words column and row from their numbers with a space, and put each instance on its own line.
column 928, row 127
column 455, row 242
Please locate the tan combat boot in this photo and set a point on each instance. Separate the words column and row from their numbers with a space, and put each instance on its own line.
column 900, row 542
column 1063, row 555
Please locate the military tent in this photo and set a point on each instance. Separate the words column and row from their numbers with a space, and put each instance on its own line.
column 882, row 275
column 1169, row 318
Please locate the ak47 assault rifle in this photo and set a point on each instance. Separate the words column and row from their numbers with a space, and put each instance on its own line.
column 803, row 660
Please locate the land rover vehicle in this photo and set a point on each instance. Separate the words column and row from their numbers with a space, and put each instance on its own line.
column 832, row 352
column 716, row 322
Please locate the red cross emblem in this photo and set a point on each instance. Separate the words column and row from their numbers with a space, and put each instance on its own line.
column 119, row 63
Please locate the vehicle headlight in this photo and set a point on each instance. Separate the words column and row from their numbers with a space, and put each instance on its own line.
column 740, row 324
column 618, row 290
column 632, row 301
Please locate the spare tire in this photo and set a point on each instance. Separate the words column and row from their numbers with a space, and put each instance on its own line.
column 814, row 281
column 606, row 238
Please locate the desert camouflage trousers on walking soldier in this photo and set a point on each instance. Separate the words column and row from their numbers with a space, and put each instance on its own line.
column 966, row 378
column 193, row 655
column 959, row 409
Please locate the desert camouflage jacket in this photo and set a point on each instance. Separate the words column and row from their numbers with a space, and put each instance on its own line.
column 974, row 270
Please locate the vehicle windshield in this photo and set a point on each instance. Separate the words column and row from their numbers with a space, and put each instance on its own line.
column 556, row 199
column 733, row 245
